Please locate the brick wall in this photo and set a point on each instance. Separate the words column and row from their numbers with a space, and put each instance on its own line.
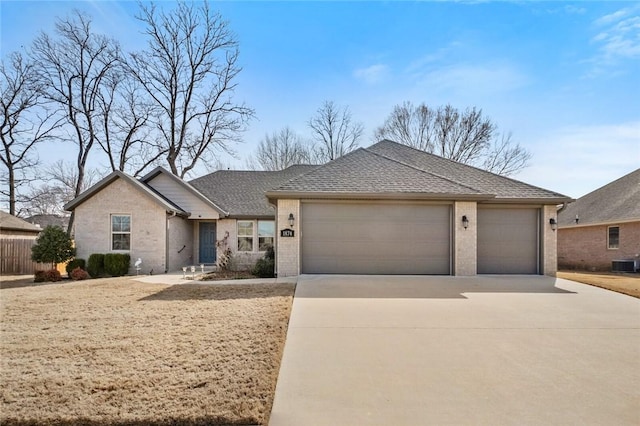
column 241, row 260
column 549, row 242
column 148, row 225
column 585, row 247
column 465, row 240
column 288, row 256
column 180, row 243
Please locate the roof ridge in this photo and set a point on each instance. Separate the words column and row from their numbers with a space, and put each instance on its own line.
column 424, row 171
column 628, row 175
column 457, row 163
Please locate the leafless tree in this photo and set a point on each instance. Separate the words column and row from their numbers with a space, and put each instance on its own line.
column 58, row 186
column 126, row 133
column 463, row 136
column 76, row 68
column 334, row 131
column 26, row 122
column 281, row 150
column 189, row 71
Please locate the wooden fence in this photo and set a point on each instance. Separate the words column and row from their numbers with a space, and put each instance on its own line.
column 15, row 257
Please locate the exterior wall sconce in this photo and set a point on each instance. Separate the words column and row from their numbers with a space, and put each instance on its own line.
column 553, row 224
column 465, row 222
column 291, row 220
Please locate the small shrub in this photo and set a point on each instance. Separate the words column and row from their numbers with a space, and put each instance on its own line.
column 52, row 275
column 265, row 266
column 95, row 265
column 73, row 264
column 79, row 274
column 38, row 277
column 116, row 264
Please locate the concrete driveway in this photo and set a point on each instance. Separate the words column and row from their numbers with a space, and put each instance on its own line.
column 508, row 350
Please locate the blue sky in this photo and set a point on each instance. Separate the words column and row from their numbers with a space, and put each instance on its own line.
column 563, row 77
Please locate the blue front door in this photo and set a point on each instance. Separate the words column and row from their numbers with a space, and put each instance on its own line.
column 207, row 242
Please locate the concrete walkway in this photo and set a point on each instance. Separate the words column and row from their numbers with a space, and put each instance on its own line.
column 458, row 351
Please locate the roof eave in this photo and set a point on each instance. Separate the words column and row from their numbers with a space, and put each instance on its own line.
column 603, row 223
column 532, row 200
column 274, row 195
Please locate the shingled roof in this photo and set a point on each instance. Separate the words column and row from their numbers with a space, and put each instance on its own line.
column 10, row 222
column 616, row 202
column 391, row 170
column 241, row 193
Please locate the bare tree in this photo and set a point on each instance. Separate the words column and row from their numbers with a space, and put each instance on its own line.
column 26, row 122
column 281, row 150
column 59, row 185
column 334, row 132
column 463, row 136
column 189, row 71
column 76, row 68
column 126, row 134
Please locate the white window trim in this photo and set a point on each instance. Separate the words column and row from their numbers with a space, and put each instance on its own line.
column 111, row 233
column 609, row 235
column 253, row 236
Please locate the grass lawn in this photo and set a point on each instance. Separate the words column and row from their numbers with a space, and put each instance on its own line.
column 117, row 351
column 622, row 283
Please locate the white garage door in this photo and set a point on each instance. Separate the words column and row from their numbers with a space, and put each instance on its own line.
column 508, row 240
column 375, row 238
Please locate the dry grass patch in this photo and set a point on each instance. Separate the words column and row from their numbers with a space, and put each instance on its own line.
column 622, row 283
column 117, row 351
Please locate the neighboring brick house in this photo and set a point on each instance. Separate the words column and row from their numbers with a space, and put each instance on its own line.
column 386, row 209
column 601, row 226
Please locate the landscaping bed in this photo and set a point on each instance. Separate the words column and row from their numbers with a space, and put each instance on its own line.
column 628, row 284
column 117, row 351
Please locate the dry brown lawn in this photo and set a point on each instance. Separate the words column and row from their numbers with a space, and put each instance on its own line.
column 117, row 351
column 622, row 283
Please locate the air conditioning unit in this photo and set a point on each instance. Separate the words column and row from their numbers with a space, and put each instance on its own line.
column 625, row 265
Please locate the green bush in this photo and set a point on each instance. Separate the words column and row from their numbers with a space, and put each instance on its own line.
column 73, row 264
column 116, row 264
column 95, row 265
column 52, row 246
column 79, row 274
column 265, row 266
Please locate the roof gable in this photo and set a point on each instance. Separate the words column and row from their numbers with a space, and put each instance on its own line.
column 617, row 201
column 189, row 191
column 144, row 189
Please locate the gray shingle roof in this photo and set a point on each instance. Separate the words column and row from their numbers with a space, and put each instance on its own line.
column 242, row 193
column 618, row 201
column 10, row 222
column 389, row 167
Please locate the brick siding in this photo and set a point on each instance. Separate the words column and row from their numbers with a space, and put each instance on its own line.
column 585, row 247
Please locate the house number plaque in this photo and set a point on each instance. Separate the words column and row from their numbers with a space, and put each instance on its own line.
column 286, row 233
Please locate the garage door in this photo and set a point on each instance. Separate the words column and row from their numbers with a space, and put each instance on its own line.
column 508, row 241
column 375, row 238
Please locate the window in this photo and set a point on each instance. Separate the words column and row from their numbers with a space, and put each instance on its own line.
column 266, row 232
column 613, row 240
column 245, row 235
column 120, row 232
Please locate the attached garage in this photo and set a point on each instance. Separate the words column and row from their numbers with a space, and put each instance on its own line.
column 508, row 240
column 375, row 238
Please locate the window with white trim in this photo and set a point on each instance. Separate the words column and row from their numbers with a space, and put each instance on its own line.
column 266, row 233
column 613, row 237
column 245, row 235
column 121, row 232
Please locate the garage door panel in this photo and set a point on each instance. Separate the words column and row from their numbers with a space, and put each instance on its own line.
column 508, row 240
column 372, row 238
